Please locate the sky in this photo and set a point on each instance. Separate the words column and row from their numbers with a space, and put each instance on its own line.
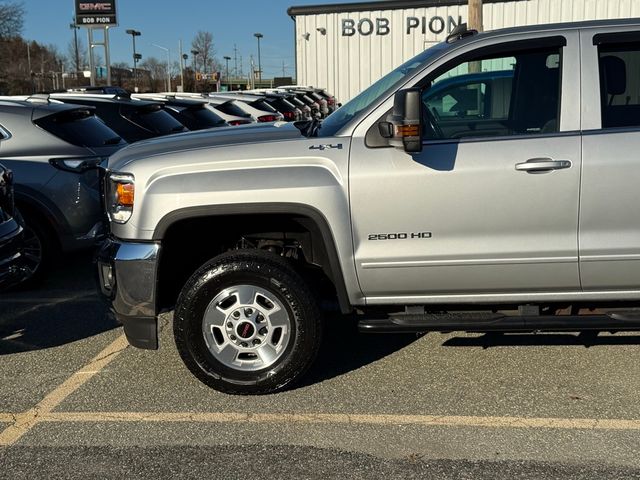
column 165, row 23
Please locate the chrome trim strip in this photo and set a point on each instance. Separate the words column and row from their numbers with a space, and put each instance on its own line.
column 610, row 258
column 506, row 297
column 457, row 263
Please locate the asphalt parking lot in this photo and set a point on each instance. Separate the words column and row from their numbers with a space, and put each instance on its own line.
column 76, row 399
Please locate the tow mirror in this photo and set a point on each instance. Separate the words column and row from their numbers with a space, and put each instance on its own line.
column 403, row 126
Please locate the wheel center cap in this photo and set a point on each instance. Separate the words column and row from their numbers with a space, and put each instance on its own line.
column 245, row 330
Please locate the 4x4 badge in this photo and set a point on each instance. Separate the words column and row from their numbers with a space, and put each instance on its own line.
column 327, row 146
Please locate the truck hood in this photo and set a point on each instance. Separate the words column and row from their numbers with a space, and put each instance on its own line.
column 219, row 137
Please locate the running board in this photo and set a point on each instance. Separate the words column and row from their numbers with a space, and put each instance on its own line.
column 488, row 322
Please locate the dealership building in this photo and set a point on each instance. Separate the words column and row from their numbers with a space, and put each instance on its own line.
column 346, row 47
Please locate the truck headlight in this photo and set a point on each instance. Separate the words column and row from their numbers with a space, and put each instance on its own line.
column 120, row 196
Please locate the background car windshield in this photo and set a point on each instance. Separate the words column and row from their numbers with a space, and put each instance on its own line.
column 382, row 88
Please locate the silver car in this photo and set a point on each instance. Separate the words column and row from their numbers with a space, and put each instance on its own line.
column 54, row 151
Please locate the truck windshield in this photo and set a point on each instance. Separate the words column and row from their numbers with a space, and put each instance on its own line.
column 378, row 91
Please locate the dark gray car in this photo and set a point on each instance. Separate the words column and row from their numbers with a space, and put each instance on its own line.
column 54, row 151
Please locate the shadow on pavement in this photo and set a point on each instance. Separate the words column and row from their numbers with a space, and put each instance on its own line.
column 63, row 310
column 344, row 349
column 277, row 461
column 582, row 339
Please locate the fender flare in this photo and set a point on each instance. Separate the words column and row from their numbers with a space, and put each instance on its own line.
column 331, row 267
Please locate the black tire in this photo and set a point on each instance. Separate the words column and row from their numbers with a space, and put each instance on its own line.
column 271, row 274
column 39, row 248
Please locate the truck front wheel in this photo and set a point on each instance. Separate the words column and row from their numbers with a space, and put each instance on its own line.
column 246, row 323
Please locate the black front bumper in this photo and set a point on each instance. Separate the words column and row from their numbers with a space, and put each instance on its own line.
column 127, row 275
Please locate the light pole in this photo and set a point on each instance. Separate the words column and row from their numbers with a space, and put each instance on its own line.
column 195, row 73
column 168, row 60
column 227, row 75
column 75, row 41
column 183, row 62
column 259, row 36
column 134, row 34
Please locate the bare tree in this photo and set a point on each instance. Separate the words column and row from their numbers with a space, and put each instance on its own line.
column 203, row 43
column 82, row 55
column 11, row 19
column 156, row 72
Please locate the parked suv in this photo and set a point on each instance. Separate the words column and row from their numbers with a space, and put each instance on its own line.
column 54, row 151
column 192, row 113
column 12, row 270
column 228, row 111
column 516, row 211
column 259, row 110
column 133, row 120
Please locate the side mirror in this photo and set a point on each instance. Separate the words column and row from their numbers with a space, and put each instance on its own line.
column 403, row 127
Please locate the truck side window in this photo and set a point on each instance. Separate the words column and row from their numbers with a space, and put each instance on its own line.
column 620, row 85
column 498, row 95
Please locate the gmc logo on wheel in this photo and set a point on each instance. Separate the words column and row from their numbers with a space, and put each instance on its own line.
column 96, row 7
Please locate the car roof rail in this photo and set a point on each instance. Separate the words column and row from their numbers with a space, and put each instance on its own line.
column 39, row 98
column 460, row 32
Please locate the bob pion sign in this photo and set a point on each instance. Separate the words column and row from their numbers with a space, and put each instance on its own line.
column 96, row 14
column 382, row 26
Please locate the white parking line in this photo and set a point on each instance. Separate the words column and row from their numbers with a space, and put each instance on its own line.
column 350, row 419
column 25, row 421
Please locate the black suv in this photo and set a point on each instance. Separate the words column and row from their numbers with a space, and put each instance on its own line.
column 192, row 113
column 11, row 232
column 133, row 120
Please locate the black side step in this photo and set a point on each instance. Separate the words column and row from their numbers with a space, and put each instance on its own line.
column 483, row 322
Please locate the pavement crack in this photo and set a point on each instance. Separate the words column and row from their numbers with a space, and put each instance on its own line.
column 106, row 356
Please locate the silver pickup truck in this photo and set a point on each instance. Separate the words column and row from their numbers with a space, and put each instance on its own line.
column 488, row 184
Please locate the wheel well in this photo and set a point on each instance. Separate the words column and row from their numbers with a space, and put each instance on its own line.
column 31, row 211
column 189, row 243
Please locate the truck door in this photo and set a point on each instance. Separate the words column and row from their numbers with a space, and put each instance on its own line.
column 490, row 206
column 610, row 194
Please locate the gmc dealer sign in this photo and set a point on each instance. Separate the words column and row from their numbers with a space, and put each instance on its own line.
column 96, row 14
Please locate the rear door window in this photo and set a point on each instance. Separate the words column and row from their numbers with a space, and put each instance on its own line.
column 80, row 127
column 620, row 84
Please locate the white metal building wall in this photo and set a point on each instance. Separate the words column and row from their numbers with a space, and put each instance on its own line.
column 346, row 65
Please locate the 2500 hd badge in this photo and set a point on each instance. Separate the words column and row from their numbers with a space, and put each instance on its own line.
column 400, row 236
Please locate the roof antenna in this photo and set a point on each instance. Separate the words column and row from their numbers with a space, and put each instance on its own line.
column 460, row 32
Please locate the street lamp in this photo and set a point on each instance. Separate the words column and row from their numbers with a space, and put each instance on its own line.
column 195, row 73
column 227, row 76
column 168, row 60
column 75, row 41
column 259, row 36
column 136, row 57
column 183, row 62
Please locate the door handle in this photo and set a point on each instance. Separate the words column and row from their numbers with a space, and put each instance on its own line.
column 541, row 165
